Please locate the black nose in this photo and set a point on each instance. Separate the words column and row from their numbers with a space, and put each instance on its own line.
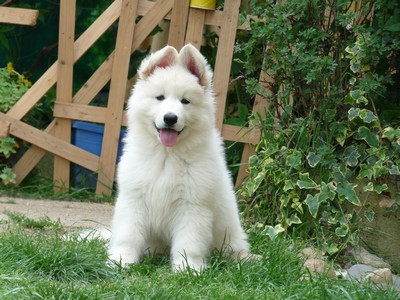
column 170, row 119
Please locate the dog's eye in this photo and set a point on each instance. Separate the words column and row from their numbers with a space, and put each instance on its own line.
column 160, row 98
column 185, row 101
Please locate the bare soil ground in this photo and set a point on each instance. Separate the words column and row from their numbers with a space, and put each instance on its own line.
column 72, row 215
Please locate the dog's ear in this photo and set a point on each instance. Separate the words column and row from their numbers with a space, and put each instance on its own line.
column 163, row 58
column 194, row 61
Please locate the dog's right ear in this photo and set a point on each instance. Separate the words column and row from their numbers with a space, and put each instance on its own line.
column 163, row 58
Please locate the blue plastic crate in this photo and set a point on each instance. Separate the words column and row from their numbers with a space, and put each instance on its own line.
column 89, row 137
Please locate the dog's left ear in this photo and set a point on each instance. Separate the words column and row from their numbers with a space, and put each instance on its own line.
column 194, row 61
column 163, row 58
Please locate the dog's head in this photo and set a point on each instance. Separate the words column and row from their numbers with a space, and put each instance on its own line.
column 173, row 95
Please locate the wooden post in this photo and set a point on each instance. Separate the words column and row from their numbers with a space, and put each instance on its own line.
column 119, row 78
column 224, row 57
column 177, row 29
column 64, row 87
column 259, row 107
column 195, row 28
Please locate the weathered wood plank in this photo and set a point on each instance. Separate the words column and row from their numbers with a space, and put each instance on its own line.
column 240, row 134
column 177, row 28
column 85, row 113
column 224, row 57
column 195, row 28
column 19, row 16
column 52, row 144
column 65, row 67
column 4, row 128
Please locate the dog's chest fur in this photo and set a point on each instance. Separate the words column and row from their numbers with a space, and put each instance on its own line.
column 168, row 195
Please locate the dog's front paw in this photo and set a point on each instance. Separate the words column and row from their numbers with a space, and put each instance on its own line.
column 123, row 260
column 185, row 263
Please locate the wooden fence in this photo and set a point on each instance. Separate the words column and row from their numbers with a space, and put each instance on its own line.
column 186, row 25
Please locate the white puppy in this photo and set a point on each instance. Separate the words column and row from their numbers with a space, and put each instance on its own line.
column 174, row 190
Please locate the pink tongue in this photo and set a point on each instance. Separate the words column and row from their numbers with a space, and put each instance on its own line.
column 168, row 137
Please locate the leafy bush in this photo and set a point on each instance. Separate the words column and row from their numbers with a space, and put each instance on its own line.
column 331, row 69
column 12, row 86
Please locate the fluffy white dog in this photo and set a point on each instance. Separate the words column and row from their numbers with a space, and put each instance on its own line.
column 174, row 190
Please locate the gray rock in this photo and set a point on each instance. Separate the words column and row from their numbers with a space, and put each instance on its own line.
column 359, row 271
column 362, row 256
column 363, row 272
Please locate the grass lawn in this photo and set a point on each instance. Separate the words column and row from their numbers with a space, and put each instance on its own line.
column 37, row 261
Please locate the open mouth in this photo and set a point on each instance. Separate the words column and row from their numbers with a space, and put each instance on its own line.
column 168, row 136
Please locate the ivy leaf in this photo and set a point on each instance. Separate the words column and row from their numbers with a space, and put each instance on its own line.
column 365, row 172
column 297, row 206
column 365, row 134
column 332, row 249
column 369, row 187
column 313, row 159
column 341, row 132
column 273, row 232
column 369, row 214
column 305, row 182
column 379, row 169
column 253, row 185
column 293, row 159
column 346, row 191
column 313, row 204
column 294, row 219
column 358, row 96
column 327, row 192
column 367, row 116
column 285, row 199
column 391, row 133
column 351, row 156
column 380, row 188
column 353, row 113
column 289, row 185
column 342, row 231
column 394, row 170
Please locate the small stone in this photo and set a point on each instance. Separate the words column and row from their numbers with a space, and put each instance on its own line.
column 362, row 256
column 386, row 203
column 320, row 267
column 310, row 252
column 380, row 276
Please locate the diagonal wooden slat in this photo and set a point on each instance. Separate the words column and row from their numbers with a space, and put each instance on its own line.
column 50, row 143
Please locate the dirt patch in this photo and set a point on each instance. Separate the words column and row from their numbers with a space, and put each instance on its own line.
column 70, row 214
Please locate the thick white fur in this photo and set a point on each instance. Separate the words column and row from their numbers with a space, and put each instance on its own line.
column 178, row 199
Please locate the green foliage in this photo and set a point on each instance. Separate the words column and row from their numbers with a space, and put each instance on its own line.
column 324, row 142
column 12, row 86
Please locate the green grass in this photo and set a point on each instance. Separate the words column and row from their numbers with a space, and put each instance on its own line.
column 39, row 262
